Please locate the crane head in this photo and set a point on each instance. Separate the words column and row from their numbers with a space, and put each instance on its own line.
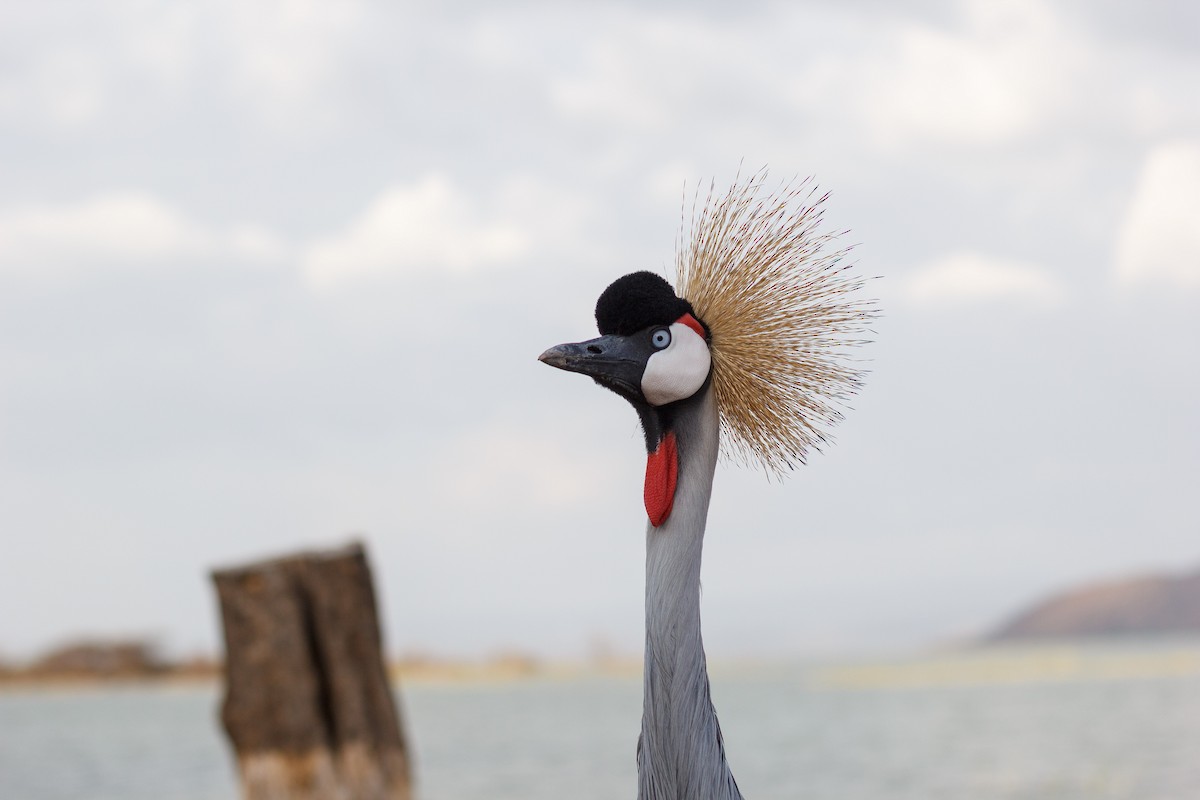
column 767, row 314
column 652, row 350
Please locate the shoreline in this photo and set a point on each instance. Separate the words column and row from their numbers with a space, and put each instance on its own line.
column 993, row 664
column 423, row 673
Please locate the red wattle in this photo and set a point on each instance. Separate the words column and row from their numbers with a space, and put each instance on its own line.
column 662, row 471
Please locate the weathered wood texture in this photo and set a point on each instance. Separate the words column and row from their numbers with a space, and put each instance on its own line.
column 308, row 706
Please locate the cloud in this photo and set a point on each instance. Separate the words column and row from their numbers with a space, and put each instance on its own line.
column 989, row 83
column 118, row 229
column 1158, row 241
column 508, row 468
column 288, row 55
column 430, row 225
column 642, row 72
column 67, row 88
column 433, row 226
column 277, row 55
column 985, row 75
column 966, row 277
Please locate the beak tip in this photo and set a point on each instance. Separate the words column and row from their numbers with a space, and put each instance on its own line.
column 555, row 357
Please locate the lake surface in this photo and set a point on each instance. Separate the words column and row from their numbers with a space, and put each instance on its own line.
column 1057, row 723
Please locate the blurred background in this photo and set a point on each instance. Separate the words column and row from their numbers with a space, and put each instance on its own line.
column 275, row 274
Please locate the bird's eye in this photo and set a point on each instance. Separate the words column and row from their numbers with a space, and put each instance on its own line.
column 660, row 338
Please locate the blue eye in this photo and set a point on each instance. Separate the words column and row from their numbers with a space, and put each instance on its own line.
column 660, row 338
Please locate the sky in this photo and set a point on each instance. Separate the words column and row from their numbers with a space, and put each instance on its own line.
column 275, row 275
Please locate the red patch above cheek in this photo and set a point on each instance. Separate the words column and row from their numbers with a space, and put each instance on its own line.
column 662, row 472
column 693, row 323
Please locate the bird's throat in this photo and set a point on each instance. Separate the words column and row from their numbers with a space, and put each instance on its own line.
column 662, row 474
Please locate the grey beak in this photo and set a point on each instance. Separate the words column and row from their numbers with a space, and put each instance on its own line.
column 614, row 361
column 558, row 356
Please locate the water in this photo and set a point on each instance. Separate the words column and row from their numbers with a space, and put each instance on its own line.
column 1046, row 724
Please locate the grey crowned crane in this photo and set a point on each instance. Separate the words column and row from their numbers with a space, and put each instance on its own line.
column 752, row 350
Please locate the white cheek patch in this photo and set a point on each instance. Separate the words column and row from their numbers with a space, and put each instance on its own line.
column 678, row 371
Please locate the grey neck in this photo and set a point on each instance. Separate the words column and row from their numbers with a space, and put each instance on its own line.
column 680, row 752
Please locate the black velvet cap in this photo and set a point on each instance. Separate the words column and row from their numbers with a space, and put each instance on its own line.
column 637, row 301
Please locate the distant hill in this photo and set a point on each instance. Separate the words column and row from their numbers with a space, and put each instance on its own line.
column 1148, row 604
column 101, row 660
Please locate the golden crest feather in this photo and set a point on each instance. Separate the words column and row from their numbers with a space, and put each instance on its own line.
column 783, row 310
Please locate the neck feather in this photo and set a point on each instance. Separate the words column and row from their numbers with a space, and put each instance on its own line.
column 680, row 752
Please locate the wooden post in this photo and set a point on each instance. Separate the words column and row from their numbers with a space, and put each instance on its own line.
column 308, row 705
